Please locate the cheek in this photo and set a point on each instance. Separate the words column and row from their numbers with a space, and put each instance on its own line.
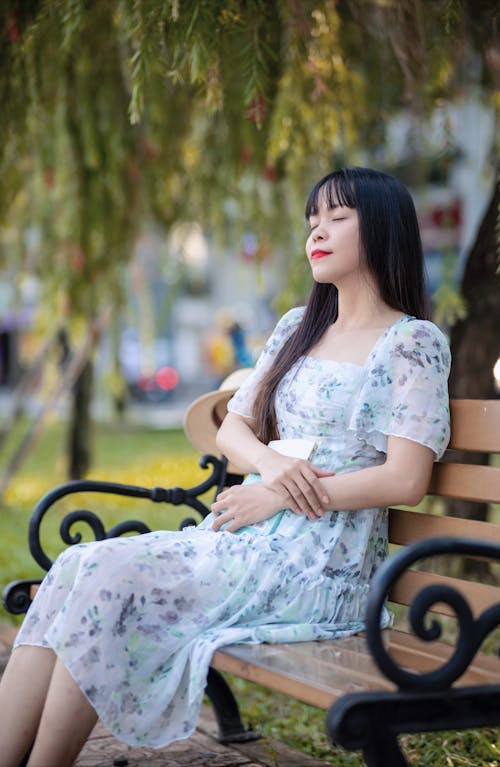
column 308, row 244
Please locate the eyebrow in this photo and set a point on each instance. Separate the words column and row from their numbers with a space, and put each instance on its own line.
column 330, row 207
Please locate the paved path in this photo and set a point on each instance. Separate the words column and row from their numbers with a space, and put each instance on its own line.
column 200, row 750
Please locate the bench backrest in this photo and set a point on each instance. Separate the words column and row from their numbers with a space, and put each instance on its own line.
column 475, row 427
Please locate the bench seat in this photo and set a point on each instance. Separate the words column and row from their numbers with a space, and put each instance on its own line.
column 318, row 673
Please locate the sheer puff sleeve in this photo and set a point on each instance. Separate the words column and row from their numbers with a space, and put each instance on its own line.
column 242, row 402
column 405, row 393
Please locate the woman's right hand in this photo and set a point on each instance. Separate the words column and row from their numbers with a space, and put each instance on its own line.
column 297, row 482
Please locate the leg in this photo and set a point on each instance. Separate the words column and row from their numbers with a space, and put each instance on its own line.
column 23, row 690
column 66, row 722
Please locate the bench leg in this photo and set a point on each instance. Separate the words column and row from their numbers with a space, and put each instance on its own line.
column 382, row 750
column 366, row 721
column 227, row 713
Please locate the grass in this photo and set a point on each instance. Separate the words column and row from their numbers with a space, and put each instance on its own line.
column 303, row 727
column 134, row 456
column 151, row 457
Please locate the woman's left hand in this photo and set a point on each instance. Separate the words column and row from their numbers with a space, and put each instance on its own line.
column 242, row 505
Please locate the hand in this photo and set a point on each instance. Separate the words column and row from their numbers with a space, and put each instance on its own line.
column 297, row 482
column 242, row 505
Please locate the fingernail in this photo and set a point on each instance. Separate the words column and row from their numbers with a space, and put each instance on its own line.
column 325, row 499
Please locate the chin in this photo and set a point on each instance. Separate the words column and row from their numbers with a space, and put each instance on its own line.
column 323, row 277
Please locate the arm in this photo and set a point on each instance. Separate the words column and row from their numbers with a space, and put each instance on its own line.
column 402, row 479
column 236, row 440
column 295, row 481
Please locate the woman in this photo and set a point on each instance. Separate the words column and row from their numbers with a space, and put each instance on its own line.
column 125, row 629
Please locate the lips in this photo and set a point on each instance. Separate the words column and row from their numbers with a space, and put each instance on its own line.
column 320, row 254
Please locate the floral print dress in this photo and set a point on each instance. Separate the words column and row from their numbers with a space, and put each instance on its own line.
column 137, row 620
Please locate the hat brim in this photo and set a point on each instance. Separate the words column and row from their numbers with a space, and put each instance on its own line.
column 203, row 419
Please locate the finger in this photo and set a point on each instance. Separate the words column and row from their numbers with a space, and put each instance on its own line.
column 233, row 526
column 281, row 489
column 220, row 522
column 322, row 472
column 220, row 504
column 314, row 515
column 318, row 473
column 301, row 500
column 289, row 499
column 314, row 491
column 310, row 489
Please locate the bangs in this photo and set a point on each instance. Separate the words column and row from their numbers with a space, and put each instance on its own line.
column 335, row 189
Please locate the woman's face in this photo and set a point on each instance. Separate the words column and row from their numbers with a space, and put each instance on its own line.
column 333, row 246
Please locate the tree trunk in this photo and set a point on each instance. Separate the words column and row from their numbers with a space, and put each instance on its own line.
column 80, row 432
column 475, row 339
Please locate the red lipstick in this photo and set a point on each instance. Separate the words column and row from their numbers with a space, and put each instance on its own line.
column 320, row 253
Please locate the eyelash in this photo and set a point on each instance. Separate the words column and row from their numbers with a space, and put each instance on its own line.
column 312, row 228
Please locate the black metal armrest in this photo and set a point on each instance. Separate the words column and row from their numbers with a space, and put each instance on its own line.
column 471, row 632
column 175, row 496
column 16, row 595
column 425, row 701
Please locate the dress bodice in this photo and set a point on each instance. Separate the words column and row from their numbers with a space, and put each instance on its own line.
column 316, row 399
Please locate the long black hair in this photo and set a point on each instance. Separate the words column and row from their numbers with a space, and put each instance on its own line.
column 391, row 244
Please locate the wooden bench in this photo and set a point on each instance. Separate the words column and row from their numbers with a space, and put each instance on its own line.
column 385, row 682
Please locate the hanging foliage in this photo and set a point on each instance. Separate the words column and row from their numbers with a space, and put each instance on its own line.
column 120, row 112
column 116, row 111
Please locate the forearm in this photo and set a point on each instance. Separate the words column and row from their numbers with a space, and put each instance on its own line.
column 237, row 441
column 389, row 484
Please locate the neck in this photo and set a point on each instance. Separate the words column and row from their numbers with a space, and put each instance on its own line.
column 362, row 307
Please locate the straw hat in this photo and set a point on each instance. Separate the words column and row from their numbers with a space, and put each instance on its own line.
column 204, row 416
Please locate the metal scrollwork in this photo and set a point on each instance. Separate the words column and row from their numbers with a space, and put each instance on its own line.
column 16, row 596
column 130, row 526
column 470, row 631
column 81, row 515
column 175, row 496
column 97, row 527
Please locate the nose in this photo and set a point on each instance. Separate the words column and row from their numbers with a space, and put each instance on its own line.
column 318, row 233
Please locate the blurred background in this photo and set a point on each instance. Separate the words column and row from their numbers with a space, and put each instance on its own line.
column 155, row 158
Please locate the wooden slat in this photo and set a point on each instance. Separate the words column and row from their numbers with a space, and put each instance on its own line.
column 407, row 649
column 310, row 679
column 406, row 526
column 479, row 595
column 467, row 482
column 411, row 652
column 475, row 425
column 320, row 672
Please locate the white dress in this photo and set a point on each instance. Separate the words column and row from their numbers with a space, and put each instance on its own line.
column 136, row 620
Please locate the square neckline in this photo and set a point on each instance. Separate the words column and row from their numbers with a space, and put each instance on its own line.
column 370, row 353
